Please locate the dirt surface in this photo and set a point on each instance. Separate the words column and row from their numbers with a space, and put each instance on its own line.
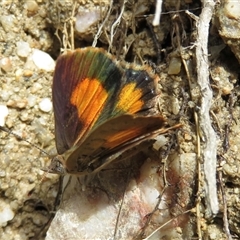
column 27, row 194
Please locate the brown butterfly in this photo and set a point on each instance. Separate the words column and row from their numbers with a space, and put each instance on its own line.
column 101, row 110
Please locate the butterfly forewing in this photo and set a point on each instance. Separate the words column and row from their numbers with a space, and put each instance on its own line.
column 80, row 92
column 89, row 88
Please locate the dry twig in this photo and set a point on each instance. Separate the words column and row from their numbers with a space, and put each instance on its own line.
column 209, row 146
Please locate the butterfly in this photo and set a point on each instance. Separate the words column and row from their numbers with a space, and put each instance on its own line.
column 102, row 108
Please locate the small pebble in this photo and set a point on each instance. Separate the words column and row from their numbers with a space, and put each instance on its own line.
column 85, row 19
column 32, row 99
column 23, row 49
column 27, row 73
column 43, row 60
column 18, row 74
column 174, row 66
column 45, row 105
column 3, row 114
column 160, row 141
column 36, row 87
column 6, row 214
column 24, row 116
column 7, row 22
column 5, row 94
column 187, row 137
column 175, row 106
column 22, row 104
column 2, row 173
column 42, row 12
column 31, row 6
column 6, row 64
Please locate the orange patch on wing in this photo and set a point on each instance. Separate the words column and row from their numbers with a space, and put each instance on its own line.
column 129, row 99
column 124, row 136
column 89, row 97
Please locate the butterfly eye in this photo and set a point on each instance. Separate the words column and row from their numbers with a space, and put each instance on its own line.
column 56, row 166
column 60, row 170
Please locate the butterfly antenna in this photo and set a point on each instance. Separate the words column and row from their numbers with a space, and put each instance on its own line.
column 23, row 139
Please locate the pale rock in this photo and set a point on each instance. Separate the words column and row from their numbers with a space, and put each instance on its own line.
column 23, row 49
column 45, row 105
column 6, row 213
column 43, row 60
column 3, row 114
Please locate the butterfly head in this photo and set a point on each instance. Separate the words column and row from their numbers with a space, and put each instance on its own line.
column 56, row 166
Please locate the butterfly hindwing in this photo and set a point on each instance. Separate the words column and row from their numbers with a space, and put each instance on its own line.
column 111, row 136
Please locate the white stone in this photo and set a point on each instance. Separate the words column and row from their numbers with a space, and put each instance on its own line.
column 23, row 49
column 86, row 18
column 6, row 213
column 175, row 106
column 32, row 99
column 3, row 114
column 232, row 9
column 45, row 105
column 160, row 142
column 7, row 22
column 43, row 60
column 5, row 94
